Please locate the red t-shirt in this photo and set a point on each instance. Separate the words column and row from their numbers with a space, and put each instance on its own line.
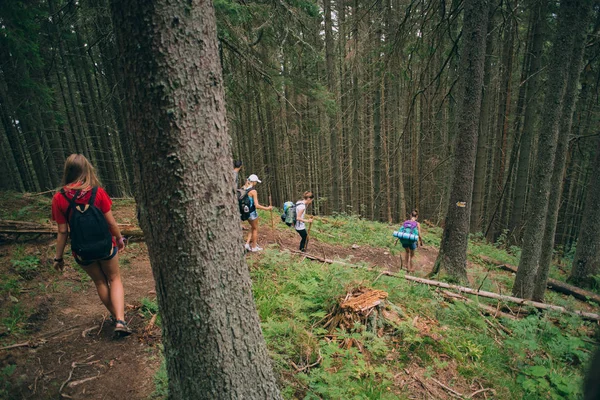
column 60, row 205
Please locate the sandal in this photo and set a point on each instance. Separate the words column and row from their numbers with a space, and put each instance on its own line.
column 123, row 330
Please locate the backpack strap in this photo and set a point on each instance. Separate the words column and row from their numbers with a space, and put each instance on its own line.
column 72, row 203
column 93, row 196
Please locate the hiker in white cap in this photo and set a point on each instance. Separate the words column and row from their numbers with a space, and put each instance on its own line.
column 252, row 217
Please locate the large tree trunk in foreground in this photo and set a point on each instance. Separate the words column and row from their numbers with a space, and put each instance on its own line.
column 175, row 101
column 453, row 250
column 587, row 256
column 569, row 15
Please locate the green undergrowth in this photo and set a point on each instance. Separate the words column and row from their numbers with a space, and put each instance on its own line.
column 38, row 208
column 542, row 356
column 346, row 230
column 25, row 207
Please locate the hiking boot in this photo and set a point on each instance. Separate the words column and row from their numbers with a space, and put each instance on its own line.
column 247, row 247
column 255, row 249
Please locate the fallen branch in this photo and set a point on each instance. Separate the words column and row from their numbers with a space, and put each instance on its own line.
column 309, row 366
column 449, row 390
column 542, row 306
column 32, row 343
column 553, row 284
column 523, row 302
column 484, row 307
column 86, row 331
column 79, row 382
column 26, row 227
column 481, row 391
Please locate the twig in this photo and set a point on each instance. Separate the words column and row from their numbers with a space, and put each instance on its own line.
column 388, row 273
column 73, row 366
column 102, row 324
column 86, row 331
column 481, row 391
column 51, row 334
column 79, row 382
column 451, row 391
column 419, row 380
column 308, row 366
column 32, row 343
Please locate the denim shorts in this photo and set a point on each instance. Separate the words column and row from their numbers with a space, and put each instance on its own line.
column 409, row 245
column 253, row 216
column 87, row 263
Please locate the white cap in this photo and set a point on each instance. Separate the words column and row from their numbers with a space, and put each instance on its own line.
column 254, row 178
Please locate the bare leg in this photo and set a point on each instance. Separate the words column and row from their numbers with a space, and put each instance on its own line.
column 406, row 259
column 253, row 233
column 411, row 254
column 249, row 233
column 101, row 282
column 117, row 295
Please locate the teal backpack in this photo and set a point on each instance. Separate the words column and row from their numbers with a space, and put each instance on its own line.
column 408, row 232
column 289, row 213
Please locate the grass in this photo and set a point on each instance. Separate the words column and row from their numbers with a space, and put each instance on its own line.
column 541, row 359
column 17, row 207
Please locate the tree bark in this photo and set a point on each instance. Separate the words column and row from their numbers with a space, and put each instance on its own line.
column 570, row 14
column 531, row 110
column 560, row 162
column 175, row 101
column 586, row 263
column 476, row 218
column 453, row 250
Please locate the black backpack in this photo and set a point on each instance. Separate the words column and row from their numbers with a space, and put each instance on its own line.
column 245, row 204
column 90, row 236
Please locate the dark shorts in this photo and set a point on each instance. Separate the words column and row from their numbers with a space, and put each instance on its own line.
column 409, row 245
column 87, row 263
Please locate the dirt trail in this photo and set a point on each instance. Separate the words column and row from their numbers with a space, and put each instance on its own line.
column 289, row 239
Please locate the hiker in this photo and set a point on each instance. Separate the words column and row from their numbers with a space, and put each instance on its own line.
column 301, row 205
column 83, row 208
column 409, row 245
column 252, row 214
column 237, row 166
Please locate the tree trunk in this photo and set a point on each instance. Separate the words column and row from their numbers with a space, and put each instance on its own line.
column 587, row 256
column 332, row 116
column 560, row 163
column 476, row 218
column 531, row 110
column 453, row 250
column 175, row 100
column 569, row 21
column 501, row 146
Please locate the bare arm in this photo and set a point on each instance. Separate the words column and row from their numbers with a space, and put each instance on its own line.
column 61, row 242
column 300, row 217
column 420, row 236
column 114, row 229
column 254, row 196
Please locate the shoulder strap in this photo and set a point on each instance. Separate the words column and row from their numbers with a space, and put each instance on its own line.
column 72, row 203
column 93, row 196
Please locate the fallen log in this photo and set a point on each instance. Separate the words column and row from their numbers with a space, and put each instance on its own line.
column 553, row 284
column 541, row 306
column 519, row 301
column 26, row 227
column 488, row 310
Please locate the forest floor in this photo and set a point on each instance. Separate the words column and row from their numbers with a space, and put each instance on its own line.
column 65, row 341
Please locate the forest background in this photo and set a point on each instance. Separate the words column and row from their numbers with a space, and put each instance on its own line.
column 354, row 100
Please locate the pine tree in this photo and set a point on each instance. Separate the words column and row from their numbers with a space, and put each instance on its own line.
column 214, row 348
